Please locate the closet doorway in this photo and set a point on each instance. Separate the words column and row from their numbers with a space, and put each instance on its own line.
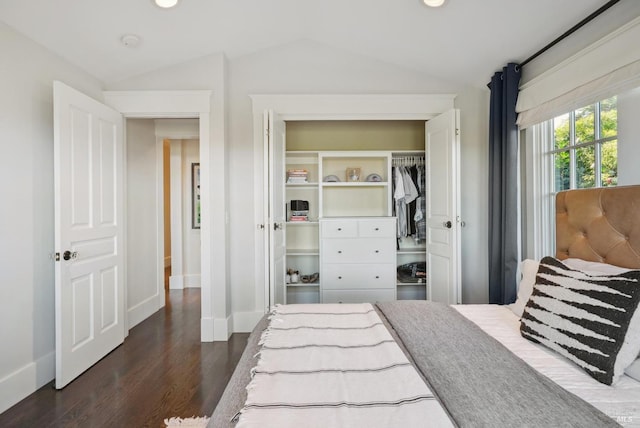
column 441, row 149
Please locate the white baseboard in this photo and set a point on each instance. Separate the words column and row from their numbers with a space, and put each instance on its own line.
column 143, row 310
column 215, row 329
column 244, row 322
column 26, row 380
column 192, row 281
column 176, row 282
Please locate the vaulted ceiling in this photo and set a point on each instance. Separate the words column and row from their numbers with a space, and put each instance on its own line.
column 462, row 42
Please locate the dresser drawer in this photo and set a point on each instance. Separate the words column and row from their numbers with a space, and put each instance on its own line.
column 358, row 296
column 347, row 276
column 361, row 250
column 377, row 227
column 339, row 228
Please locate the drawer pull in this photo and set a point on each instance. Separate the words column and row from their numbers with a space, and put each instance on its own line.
column 339, row 251
column 377, row 228
column 377, row 277
column 377, row 251
column 339, row 277
column 339, row 229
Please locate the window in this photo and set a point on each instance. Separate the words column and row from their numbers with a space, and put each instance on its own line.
column 585, row 147
column 575, row 150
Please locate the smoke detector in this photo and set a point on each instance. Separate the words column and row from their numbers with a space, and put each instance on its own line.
column 130, row 40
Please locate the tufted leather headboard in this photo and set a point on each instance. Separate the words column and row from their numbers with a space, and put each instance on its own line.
column 601, row 225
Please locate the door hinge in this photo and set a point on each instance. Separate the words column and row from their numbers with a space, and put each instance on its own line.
column 55, row 256
column 457, row 131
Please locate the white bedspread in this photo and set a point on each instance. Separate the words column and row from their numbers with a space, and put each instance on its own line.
column 329, row 376
column 621, row 401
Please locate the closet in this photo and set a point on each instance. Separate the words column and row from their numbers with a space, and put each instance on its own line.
column 332, row 203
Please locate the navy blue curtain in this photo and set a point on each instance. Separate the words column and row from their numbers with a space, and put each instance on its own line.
column 503, row 182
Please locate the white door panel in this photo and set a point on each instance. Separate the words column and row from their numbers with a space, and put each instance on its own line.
column 441, row 205
column 275, row 146
column 89, row 155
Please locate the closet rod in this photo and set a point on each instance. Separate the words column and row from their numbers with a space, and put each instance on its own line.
column 570, row 31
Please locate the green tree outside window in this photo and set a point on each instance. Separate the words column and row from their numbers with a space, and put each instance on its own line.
column 585, row 156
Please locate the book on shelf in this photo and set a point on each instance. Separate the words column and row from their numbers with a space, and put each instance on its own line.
column 297, row 180
column 299, row 218
column 297, row 176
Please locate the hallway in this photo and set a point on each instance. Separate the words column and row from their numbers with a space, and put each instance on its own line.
column 161, row 370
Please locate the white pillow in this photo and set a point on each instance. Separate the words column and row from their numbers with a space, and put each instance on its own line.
column 594, row 268
column 634, row 370
column 528, row 269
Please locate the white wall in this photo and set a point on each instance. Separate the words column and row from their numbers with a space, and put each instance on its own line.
column 26, row 216
column 474, row 188
column 191, row 237
column 629, row 138
column 185, row 240
column 145, row 278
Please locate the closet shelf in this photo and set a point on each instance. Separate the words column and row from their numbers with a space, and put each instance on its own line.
column 356, row 184
column 302, row 284
column 309, row 185
column 303, row 252
column 402, row 284
column 415, row 250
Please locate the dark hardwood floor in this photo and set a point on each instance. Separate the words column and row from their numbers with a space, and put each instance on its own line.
column 161, row 370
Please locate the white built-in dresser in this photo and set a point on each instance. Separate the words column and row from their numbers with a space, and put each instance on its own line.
column 357, row 259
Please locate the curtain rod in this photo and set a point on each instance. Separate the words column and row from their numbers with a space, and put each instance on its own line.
column 570, row 31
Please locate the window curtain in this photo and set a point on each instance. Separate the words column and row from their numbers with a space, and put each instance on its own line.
column 503, row 185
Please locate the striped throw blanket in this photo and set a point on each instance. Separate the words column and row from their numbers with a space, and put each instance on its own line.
column 335, row 366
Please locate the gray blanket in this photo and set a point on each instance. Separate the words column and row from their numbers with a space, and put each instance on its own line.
column 478, row 380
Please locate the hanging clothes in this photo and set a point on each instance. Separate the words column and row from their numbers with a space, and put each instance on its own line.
column 421, row 210
column 398, row 198
column 408, row 200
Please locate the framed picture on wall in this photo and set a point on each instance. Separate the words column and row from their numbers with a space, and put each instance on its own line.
column 195, row 195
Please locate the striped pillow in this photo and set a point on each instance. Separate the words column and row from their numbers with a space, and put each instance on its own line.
column 593, row 320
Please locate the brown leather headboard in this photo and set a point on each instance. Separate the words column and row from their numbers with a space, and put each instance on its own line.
column 601, row 225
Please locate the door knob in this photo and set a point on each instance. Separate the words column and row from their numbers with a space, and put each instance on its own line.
column 447, row 224
column 68, row 255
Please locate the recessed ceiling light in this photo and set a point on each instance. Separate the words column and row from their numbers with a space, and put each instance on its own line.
column 434, row 3
column 166, row 4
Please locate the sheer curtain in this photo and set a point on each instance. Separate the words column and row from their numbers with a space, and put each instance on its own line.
column 503, row 185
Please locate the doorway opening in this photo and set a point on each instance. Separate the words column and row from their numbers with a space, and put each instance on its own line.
column 163, row 234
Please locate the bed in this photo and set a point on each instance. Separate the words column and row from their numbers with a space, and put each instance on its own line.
column 417, row 363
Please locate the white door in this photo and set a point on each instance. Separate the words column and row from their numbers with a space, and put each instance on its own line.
column 89, row 214
column 275, row 148
column 443, row 270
